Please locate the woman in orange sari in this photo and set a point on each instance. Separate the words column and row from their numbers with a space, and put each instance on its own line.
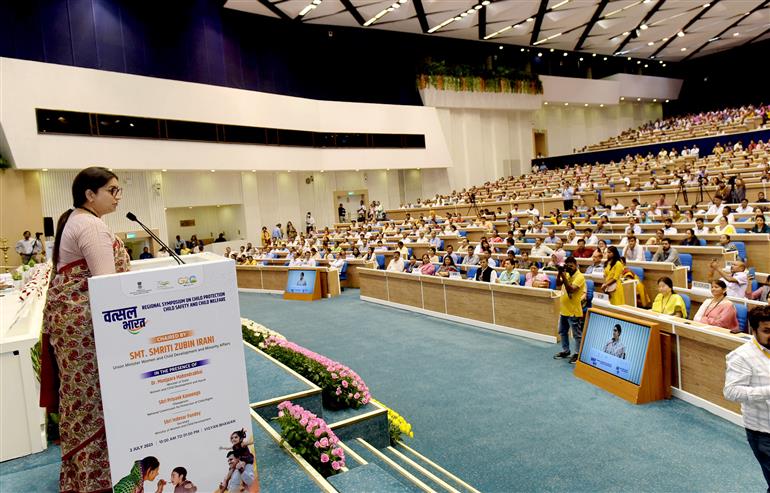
column 84, row 247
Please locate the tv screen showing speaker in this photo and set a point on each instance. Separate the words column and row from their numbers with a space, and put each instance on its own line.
column 301, row 281
column 615, row 346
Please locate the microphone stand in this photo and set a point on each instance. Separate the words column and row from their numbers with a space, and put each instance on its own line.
column 171, row 252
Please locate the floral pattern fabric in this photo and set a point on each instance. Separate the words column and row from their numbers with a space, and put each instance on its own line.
column 67, row 322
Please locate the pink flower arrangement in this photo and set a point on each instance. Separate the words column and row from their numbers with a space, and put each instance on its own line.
column 313, row 440
column 339, row 382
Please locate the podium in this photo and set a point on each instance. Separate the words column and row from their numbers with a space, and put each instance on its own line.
column 171, row 365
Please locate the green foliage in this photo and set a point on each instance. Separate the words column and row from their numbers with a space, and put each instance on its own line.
column 464, row 77
column 253, row 338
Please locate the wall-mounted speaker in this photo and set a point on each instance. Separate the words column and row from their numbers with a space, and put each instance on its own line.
column 48, row 226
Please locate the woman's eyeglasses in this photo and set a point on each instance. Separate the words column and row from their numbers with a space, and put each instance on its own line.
column 116, row 192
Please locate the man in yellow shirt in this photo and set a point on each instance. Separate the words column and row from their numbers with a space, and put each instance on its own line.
column 573, row 286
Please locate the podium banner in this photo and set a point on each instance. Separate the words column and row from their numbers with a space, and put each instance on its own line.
column 173, row 376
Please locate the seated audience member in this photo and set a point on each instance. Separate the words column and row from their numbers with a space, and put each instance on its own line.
column 145, row 254
column 632, row 227
column 716, row 206
column 597, row 266
column 559, row 254
column 370, row 255
column 411, row 265
column 551, row 238
column 727, row 214
column 355, row 253
column 447, row 267
column 724, row 227
column 759, row 294
column 540, row 249
column 536, row 279
column 591, row 240
column 427, row 268
column 667, row 301
column 735, row 277
column 485, row 273
column 307, row 259
column 633, row 252
column 396, row 263
column 404, row 251
column 525, row 262
column 724, row 242
column 336, row 262
column 581, row 251
column 760, row 225
column 511, row 246
column 602, row 247
column 668, row 227
column 718, row 310
column 433, row 255
column 691, row 239
column 657, row 239
column 744, row 208
column 700, row 229
column 450, row 252
column 509, row 275
column 665, row 253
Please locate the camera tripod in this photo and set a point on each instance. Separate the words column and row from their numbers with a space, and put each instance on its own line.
column 683, row 192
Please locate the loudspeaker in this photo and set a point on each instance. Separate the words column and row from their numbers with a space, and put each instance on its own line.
column 48, row 226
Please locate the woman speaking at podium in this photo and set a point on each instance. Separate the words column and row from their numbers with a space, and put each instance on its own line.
column 84, row 247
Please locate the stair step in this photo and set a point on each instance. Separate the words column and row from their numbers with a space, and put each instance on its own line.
column 374, row 456
column 436, row 469
column 369, row 422
column 418, row 469
column 370, row 478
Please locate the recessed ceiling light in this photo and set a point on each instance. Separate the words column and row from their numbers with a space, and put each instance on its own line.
column 601, row 105
column 663, row 65
column 546, row 103
column 655, row 100
column 565, row 54
column 477, row 7
column 651, row 43
column 530, row 19
column 638, row 99
column 253, row 171
column 356, row 169
column 667, row 100
column 626, row 33
column 539, row 54
column 586, row 105
column 485, row 3
column 164, row 170
column 464, row 14
column 522, row 49
column 706, row 5
column 638, row 62
column 581, row 58
column 605, row 59
column 566, row 104
column 551, row 50
column 593, row 54
column 736, row 34
column 288, row 171
column 501, row 47
column 683, row 49
column 629, row 59
column 664, row 39
column 680, row 34
column 645, row 65
column 45, row 169
column 644, row 27
column 622, row 98
column 213, row 171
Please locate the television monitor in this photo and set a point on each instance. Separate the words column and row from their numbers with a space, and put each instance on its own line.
column 615, row 346
column 301, row 281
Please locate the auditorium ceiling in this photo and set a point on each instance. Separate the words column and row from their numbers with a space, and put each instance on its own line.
column 670, row 30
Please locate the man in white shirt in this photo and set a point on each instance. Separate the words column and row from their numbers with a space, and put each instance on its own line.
column 28, row 247
column 632, row 227
column 747, row 380
column 735, row 277
column 551, row 238
column 633, row 252
column 396, row 264
column 591, row 240
column 540, row 249
column 668, row 227
column 617, row 207
column 700, row 229
column 744, row 208
column 533, row 212
column 716, row 207
column 309, row 223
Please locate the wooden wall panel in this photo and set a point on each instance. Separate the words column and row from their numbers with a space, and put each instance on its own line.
column 520, row 311
column 472, row 303
column 405, row 291
column 374, row 285
column 703, row 371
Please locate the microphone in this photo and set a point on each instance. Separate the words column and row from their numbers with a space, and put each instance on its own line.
column 132, row 217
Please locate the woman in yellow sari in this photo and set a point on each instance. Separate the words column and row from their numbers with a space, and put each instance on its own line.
column 613, row 277
column 642, row 299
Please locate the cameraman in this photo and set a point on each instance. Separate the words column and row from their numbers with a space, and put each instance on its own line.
column 573, row 285
column 28, row 248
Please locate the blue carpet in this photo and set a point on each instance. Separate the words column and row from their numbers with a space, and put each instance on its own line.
column 502, row 414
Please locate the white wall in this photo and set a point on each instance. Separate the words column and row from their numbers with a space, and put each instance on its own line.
column 28, row 85
column 209, row 222
column 572, row 127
